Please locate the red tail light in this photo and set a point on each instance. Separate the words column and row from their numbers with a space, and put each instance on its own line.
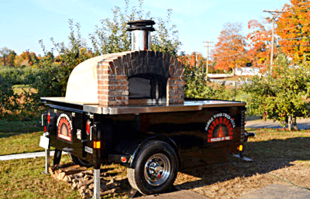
column 88, row 127
column 49, row 117
column 44, row 128
column 123, row 159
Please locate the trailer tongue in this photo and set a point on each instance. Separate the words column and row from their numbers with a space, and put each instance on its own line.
column 129, row 108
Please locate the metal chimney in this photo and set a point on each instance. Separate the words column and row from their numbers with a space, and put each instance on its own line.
column 141, row 34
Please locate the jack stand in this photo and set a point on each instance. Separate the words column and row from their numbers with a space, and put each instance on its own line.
column 96, row 184
column 243, row 157
column 47, row 160
column 57, row 157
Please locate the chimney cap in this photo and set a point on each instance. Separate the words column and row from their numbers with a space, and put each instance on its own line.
column 141, row 25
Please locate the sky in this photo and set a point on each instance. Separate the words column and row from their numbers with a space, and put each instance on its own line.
column 24, row 22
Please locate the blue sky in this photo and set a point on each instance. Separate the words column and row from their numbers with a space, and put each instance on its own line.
column 24, row 22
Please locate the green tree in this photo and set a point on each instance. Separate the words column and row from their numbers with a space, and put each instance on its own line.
column 112, row 35
column 69, row 56
column 282, row 96
column 11, row 58
column 197, row 87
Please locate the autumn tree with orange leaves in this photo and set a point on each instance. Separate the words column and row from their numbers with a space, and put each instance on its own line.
column 294, row 30
column 230, row 51
column 259, row 44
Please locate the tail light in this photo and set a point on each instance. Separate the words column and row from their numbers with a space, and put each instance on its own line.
column 48, row 117
column 97, row 144
column 88, row 123
column 123, row 159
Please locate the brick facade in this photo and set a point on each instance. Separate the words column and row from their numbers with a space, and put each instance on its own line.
column 113, row 74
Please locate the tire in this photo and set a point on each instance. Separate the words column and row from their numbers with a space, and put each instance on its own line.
column 155, row 168
column 79, row 161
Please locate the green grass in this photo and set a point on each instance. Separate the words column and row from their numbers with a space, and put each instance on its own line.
column 19, row 137
column 23, row 179
column 20, row 88
column 23, row 143
column 275, row 143
column 16, row 127
column 236, row 78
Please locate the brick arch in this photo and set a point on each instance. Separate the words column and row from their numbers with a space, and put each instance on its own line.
column 113, row 74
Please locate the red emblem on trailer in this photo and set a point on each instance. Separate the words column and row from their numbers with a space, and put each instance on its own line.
column 64, row 126
column 220, row 128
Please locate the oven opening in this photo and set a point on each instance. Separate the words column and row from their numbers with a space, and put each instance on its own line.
column 147, row 89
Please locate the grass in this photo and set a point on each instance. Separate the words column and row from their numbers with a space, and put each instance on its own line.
column 19, row 136
column 16, row 127
column 280, row 157
column 23, row 179
column 20, row 88
column 236, row 78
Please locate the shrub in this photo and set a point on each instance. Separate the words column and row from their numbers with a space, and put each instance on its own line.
column 197, row 87
column 281, row 96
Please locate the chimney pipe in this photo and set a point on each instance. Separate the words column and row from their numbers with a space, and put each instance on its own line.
column 141, row 34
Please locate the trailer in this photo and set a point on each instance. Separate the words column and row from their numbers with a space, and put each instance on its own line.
column 129, row 108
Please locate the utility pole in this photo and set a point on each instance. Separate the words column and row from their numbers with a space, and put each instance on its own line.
column 207, row 63
column 273, row 12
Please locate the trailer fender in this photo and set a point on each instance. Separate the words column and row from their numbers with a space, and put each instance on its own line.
column 138, row 147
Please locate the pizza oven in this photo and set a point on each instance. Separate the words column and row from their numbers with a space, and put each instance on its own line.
column 139, row 76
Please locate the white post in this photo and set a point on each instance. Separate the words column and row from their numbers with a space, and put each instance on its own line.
column 96, row 184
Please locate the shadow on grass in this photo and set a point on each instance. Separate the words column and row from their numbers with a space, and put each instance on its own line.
column 17, row 127
column 267, row 155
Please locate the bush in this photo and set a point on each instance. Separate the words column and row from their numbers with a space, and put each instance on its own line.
column 197, row 87
column 17, row 75
column 281, row 96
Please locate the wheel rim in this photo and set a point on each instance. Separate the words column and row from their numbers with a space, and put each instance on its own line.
column 157, row 169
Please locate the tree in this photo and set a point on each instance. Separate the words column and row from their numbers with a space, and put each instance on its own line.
column 193, row 60
column 4, row 53
column 112, row 36
column 11, row 58
column 69, row 57
column 165, row 39
column 18, row 61
column 260, row 40
column 283, row 97
column 230, row 50
column 294, row 29
column 30, row 57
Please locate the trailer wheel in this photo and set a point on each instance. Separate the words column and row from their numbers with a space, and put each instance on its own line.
column 155, row 168
column 79, row 161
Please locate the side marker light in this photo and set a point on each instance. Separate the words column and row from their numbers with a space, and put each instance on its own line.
column 97, row 144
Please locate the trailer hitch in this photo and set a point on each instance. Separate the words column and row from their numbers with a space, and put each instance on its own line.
column 247, row 135
column 241, row 147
